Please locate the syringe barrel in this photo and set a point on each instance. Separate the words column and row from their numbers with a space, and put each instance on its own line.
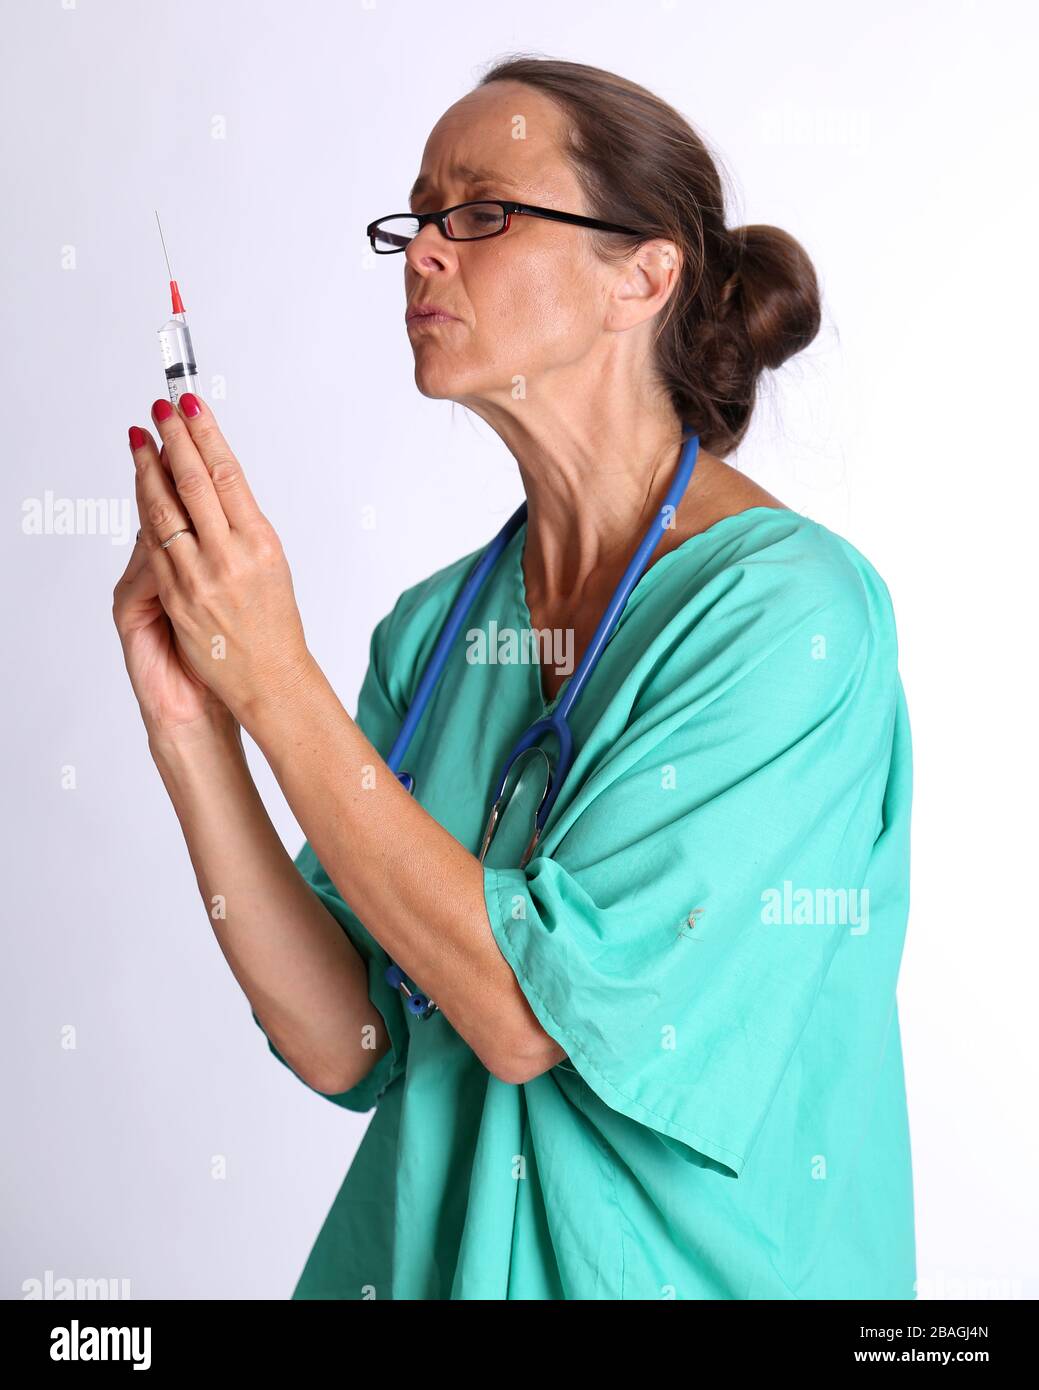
column 178, row 358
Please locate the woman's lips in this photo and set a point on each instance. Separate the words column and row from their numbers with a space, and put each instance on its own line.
column 429, row 314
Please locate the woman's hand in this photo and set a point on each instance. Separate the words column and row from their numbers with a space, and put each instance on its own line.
column 174, row 703
column 224, row 585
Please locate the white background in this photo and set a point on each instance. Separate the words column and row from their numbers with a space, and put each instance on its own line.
column 896, row 140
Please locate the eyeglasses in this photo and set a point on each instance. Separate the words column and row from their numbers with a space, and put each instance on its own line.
column 470, row 222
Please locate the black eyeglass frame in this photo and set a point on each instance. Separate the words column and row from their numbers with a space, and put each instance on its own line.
column 508, row 209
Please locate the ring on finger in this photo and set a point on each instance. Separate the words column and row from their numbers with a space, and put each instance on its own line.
column 169, row 541
column 184, row 531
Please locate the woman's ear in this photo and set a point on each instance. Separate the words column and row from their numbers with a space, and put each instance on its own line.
column 647, row 282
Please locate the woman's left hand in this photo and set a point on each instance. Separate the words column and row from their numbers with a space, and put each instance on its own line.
column 225, row 586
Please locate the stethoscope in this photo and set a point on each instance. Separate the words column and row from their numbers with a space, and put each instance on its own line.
column 552, row 723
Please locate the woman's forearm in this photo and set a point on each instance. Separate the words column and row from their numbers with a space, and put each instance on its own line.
column 302, row 975
column 418, row 890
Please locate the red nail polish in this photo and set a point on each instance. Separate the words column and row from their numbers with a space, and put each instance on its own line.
column 162, row 410
column 190, row 406
column 137, row 437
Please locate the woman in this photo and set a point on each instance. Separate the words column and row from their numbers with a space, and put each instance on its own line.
column 666, row 1062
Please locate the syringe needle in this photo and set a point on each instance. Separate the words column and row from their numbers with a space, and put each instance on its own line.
column 178, row 304
column 163, row 240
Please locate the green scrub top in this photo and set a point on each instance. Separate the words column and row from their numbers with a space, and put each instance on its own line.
column 711, row 927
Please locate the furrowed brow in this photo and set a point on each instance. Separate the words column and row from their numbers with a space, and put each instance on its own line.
column 472, row 178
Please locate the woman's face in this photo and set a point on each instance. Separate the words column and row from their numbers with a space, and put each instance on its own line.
column 533, row 303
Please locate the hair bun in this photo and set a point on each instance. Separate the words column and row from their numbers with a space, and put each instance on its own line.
column 779, row 292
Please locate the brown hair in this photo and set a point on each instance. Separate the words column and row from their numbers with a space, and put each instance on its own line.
column 748, row 297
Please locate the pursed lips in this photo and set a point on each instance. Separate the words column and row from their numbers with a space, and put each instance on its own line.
column 428, row 313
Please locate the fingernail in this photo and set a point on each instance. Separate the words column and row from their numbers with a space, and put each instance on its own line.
column 162, row 410
column 190, row 406
column 137, row 437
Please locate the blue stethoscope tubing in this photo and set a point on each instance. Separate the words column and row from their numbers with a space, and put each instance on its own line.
column 438, row 660
column 555, row 722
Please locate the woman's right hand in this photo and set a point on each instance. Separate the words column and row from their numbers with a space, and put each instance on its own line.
column 175, row 704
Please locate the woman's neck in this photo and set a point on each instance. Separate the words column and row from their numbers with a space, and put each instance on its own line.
column 594, row 482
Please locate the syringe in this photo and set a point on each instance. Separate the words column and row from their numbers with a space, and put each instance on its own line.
column 178, row 356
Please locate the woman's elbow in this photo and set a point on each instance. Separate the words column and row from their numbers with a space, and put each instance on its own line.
column 522, row 1064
